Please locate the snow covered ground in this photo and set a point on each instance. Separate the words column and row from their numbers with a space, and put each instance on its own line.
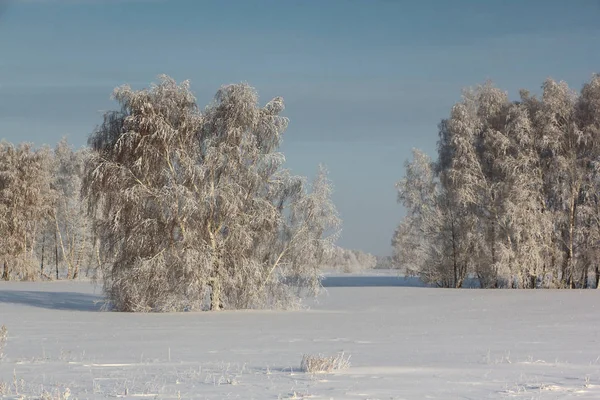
column 406, row 342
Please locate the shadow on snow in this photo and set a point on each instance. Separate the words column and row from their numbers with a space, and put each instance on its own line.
column 371, row 281
column 71, row 301
column 75, row 301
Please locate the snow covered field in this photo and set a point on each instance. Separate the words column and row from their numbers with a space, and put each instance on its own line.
column 405, row 342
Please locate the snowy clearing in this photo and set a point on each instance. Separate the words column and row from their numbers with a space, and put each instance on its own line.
column 405, row 343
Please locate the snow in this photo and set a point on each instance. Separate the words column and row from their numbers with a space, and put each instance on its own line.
column 405, row 342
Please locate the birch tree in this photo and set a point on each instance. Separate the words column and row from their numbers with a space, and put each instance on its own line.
column 472, row 175
column 69, row 226
column 525, row 224
column 566, row 158
column 429, row 241
column 190, row 205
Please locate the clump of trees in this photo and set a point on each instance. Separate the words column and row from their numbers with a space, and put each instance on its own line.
column 173, row 207
column 512, row 198
column 385, row 262
column 25, row 203
column 192, row 207
column 42, row 221
column 349, row 260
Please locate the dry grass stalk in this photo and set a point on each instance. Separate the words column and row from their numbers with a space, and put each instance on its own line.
column 319, row 363
column 3, row 339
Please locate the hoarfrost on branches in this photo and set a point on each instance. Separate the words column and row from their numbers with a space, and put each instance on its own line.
column 189, row 205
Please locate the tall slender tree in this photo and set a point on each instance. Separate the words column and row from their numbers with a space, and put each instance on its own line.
column 430, row 241
column 70, row 227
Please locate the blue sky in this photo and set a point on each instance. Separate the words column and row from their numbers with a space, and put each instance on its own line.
column 364, row 80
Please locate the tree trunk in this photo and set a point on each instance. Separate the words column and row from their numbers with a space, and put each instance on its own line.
column 56, row 251
column 454, row 261
column 570, row 270
column 5, row 274
column 597, row 277
column 494, row 265
column 215, row 283
column 42, row 261
column 463, row 274
column 215, row 295
column 97, row 251
column 68, row 258
column 543, row 275
column 78, row 260
column 584, row 277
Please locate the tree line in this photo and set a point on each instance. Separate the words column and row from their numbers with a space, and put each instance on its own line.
column 172, row 207
column 44, row 230
column 349, row 260
column 175, row 207
column 512, row 199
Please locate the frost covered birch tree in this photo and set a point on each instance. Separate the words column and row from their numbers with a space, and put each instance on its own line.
column 190, row 205
column 473, row 175
column 557, row 120
column 429, row 241
column 525, row 224
column 69, row 227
